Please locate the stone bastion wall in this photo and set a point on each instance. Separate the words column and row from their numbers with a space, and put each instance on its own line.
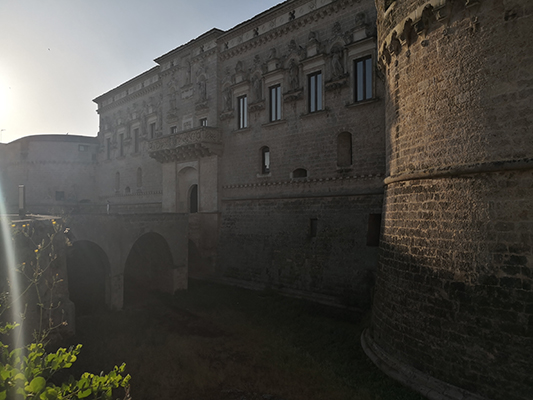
column 453, row 304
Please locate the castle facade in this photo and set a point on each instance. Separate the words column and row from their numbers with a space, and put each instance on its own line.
column 352, row 153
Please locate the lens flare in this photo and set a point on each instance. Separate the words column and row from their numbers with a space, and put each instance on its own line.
column 7, row 249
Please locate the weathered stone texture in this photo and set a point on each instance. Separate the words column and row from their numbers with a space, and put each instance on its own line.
column 269, row 243
column 453, row 291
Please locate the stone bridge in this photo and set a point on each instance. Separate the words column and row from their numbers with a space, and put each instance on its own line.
column 119, row 259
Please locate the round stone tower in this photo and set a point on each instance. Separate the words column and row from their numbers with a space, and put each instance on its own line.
column 453, row 304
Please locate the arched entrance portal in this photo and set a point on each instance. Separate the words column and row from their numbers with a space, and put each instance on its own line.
column 87, row 268
column 148, row 269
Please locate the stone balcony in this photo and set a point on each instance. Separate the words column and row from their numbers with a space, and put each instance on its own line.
column 187, row 145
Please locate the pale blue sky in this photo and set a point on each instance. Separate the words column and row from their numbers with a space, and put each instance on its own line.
column 58, row 55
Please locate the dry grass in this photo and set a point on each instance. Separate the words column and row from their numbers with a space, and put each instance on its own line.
column 225, row 343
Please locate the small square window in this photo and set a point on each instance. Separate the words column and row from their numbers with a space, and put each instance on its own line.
column 315, row 91
column 363, row 88
column 243, row 112
column 203, row 122
column 275, row 103
column 173, row 130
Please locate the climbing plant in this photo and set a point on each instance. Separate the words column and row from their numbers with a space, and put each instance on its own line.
column 28, row 371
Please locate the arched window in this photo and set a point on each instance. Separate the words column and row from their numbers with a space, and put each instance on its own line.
column 127, row 190
column 265, row 160
column 139, row 177
column 299, row 173
column 344, row 149
column 193, row 199
column 117, row 182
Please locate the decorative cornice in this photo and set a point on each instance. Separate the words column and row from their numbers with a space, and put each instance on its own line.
column 301, row 181
column 288, row 28
column 419, row 22
column 126, row 99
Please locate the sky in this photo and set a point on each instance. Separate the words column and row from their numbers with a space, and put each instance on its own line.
column 56, row 56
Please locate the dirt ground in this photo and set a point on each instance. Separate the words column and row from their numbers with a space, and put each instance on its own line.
column 215, row 342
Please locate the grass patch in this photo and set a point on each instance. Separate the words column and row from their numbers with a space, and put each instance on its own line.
column 227, row 343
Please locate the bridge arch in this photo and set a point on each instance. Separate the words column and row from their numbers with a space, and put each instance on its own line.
column 88, row 271
column 148, row 269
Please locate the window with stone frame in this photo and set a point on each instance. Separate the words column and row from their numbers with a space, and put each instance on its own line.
column 242, row 121
column 203, row 122
column 315, row 91
column 265, row 160
column 173, row 130
column 193, row 199
column 275, row 103
column 152, row 130
column 363, row 79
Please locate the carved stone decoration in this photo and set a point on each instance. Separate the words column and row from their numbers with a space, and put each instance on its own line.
column 406, row 35
column 227, row 97
column 385, row 54
column 294, row 75
column 336, row 30
column 337, row 62
column 313, row 44
column 422, row 25
column 360, row 20
column 395, row 46
column 202, row 89
column 257, row 90
column 273, row 60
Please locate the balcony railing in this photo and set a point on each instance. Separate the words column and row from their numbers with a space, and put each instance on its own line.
column 187, row 145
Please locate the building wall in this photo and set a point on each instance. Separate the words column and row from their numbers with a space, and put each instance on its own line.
column 128, row 179
column 266, row 215
column 453, row 291
column 58, row 172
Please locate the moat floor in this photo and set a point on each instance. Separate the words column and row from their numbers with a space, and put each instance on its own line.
column 216, row 342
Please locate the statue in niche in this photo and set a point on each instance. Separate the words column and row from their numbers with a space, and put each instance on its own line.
column 312, row 37
column 293, row 46
column 202, row 90
column 294, row 79
column 226, row 94
column 256, row 87
column 238, row 67
column 337, row 67
column 272, row 53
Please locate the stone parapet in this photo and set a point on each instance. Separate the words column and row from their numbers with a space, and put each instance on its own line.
column 188, row 145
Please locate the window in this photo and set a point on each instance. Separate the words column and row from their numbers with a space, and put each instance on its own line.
column 121, row 144
column 83, row 148
column 108, row 141
column 136, row 140
column 193, row 199
column 299, row 173
column 363, row 79
column 127, row 190
column 275, row 103
column 344, row 149
column 315, row 92
column 173, row 130
column 203, row 122
column 243, row 112
column 265, row 160
column 152, row 130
